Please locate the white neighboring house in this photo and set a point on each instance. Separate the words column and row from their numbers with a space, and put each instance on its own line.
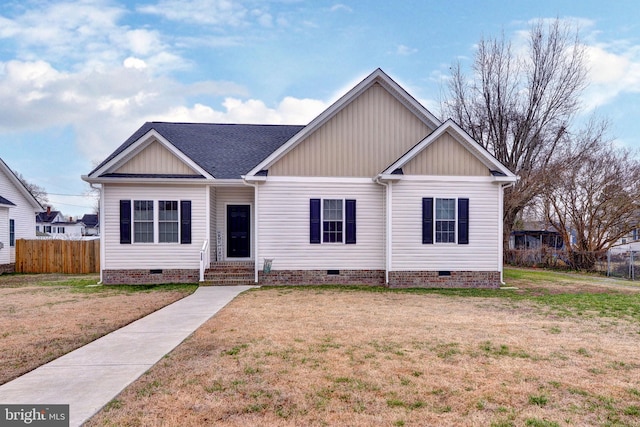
column 17, row 220
column 375, row 190
column 52, row 224
column 628, row 243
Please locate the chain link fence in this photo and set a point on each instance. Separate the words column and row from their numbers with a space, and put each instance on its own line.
column 623, row 264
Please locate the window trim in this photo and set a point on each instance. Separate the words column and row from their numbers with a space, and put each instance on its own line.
column 12, row 232
column 447, row 220
column 461, row 220
column 165, row 221
column 342, row 221
column 127, row 221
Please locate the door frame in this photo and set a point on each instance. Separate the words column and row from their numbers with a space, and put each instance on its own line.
column 226, row 231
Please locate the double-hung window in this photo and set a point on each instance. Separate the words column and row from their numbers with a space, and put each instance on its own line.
column 155, row 221
column 143, row 221
column 168, row 221
column 12, row 232
column 445, row 220
column 332, row 221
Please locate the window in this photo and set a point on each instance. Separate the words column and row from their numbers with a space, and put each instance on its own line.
column 173, row 221
column 445, row 220
column 143, row 221
column 168, row 221
column 47, row 229
column 441, row 220
column 332, row 221
column 12, row 232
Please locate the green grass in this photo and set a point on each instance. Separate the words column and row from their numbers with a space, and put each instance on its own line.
column 612, row 304
column 89, row 285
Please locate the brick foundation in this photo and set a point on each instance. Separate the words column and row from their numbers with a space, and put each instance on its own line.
column 322, row 277
column 7, row 268
column 435, row 279
column 149, row 277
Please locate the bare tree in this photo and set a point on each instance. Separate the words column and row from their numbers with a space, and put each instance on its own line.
column 38, row 192
column 520, row 105
column 593, row 196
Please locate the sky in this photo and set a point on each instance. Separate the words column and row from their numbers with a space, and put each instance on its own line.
column 77, row 78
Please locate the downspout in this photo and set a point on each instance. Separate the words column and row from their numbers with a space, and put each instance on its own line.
column 501, row 230
column 388, row 196
column 255, row 229
column 100, row 222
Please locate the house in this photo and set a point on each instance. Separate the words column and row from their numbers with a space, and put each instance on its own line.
column 91, row 225
column 52, row 223
column 374, row 190
column 536, row 235
column 17, row 221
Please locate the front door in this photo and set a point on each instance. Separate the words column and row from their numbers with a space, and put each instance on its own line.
column 238, row 231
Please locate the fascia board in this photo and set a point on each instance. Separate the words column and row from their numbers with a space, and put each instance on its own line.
column 138, row 180
column 139, row 145
column 377, row 76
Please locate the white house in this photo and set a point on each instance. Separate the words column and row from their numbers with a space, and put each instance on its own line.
column 374, row 190
column 17, row 216
column 52, row 224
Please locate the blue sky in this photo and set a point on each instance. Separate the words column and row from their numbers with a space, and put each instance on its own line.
column 78, row 77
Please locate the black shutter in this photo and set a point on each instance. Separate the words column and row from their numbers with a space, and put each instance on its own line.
column 185, row 222
column 350, row 207
column 463, row 221
column 125, row 221
column 427, row 221
column 314, row 221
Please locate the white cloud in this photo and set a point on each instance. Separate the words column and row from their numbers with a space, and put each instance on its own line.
column 210, row 12
column 339, row 7
column 405, row 50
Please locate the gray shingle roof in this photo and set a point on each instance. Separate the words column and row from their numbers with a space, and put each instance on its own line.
column 4, row 201
column 226, row 151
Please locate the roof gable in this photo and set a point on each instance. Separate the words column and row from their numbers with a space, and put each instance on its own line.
column 447, row 134
column 156, row 159
column 379, row 78
column 215, row 151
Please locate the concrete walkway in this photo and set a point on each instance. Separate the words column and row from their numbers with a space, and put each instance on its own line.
column 91, row 376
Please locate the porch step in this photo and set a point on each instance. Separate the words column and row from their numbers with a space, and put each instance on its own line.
column 233, row 273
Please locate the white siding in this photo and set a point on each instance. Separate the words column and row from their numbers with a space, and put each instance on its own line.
column 24, row 214
column 149, row 255
column 232, row 196
column 284, row 226
column 482, row 252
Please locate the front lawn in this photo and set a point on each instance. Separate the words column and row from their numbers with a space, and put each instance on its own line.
column 558, row 350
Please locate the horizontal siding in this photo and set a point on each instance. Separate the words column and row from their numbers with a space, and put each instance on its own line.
column 284, row 227
column 361, row 140
column 481, row 254
column 446, row 156
column 231, row 196
column 23, row 213
column 149, row 255
column 156, row 159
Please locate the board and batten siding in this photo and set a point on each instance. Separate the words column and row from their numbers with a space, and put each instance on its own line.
column 446, row 156
column 152, row 255
column 284, row 226
column 482, row 252
column 156, row 159
column 232, row 196
column 23, row 214
column 361, row 140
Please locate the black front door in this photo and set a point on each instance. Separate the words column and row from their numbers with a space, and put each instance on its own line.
column 238, row 231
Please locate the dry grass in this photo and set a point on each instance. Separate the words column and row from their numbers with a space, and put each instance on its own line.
column 45, row 316
column 325, row 356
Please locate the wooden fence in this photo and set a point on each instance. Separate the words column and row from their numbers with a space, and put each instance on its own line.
column 58, row 256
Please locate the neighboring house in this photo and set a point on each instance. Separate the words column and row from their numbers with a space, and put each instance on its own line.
column 17, row 221
column 536, row 235
column 91, row 225
column 53, row 224
column 628, row 243
column 375, row 190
